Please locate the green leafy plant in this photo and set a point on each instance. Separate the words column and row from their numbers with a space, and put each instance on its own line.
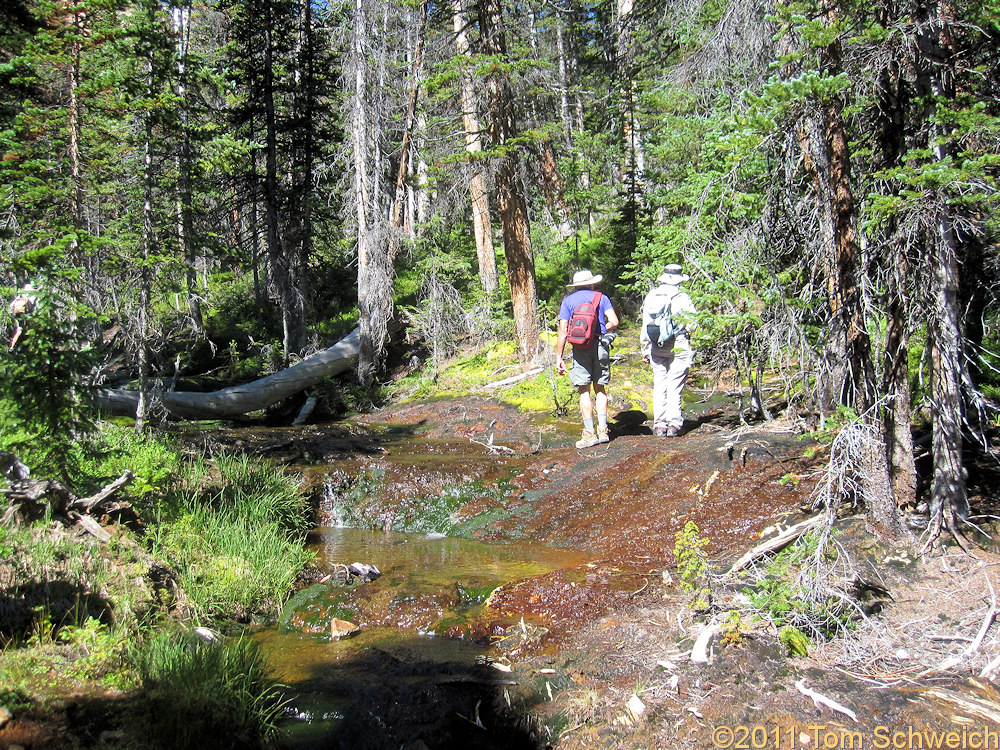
column 794, row 640
column 791, row 595
column 734, row 628
column 692, row 563
column 46, row 381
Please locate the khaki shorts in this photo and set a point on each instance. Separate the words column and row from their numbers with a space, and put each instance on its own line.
column 591, row 365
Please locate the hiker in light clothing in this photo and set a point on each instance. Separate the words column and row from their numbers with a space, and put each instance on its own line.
column 591, row 365
column 671, row 363
column 21, row 306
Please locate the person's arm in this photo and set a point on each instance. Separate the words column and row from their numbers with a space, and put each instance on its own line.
column 611, row 319
column 685, row 312
column 645, row 345
column 561, row 346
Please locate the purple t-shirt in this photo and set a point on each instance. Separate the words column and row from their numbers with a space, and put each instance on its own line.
column 575, row 299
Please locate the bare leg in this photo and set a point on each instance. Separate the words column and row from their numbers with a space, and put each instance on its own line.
column 586, row 407
column 601, row 398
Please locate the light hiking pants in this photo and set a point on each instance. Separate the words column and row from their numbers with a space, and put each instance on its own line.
column 669, row 374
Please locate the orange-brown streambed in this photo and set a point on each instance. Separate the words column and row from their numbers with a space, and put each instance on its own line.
column 456, row 500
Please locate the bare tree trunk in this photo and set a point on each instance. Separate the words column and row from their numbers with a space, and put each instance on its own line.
column 398, row 203
column 935, row 82
column 422, row 199
column 181, row 17
column 275, row 251
column 895, row 376
column 510, row 189
column 74, row 128
column 142, row 407
column 375, row 306
column 240, row 399
column 896, row 383
column 299, row 234
column 949, row 499
column 481, row 222
column 635, row 159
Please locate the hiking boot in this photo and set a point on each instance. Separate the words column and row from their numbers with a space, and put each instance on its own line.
column 660, row 432
column 589, row 440
column 602, row 435
column 673, row 431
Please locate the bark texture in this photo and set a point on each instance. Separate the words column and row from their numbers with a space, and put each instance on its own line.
column 239, row 399
column 510, row 189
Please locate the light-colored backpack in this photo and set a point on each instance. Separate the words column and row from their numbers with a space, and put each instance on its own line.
column 22, row 304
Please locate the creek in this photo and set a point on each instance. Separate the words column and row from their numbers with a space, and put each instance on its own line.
column 428, row 584
column 482, row 534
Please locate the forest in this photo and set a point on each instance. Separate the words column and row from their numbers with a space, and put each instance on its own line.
column 228, row 187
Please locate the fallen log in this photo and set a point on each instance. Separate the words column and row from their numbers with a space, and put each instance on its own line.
column 776, row 543
column 239, row 399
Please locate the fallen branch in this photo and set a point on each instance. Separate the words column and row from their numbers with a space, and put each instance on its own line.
column 990, row 668
column 240, row 399
column 306, row 411
column 819, row 699
column 91, row 526
column 976, row 642
column 513, row 379
column 967, row 704
column 699, row 652
column 87, row 503
column 776, row 543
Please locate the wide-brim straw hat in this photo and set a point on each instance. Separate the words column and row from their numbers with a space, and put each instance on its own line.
column 672, row 274
column 584, row 278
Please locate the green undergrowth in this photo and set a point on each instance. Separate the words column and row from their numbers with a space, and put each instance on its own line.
column 479, row 371
column 794, row 593
column 203, row 541
column 201, row 694
column 235, row 531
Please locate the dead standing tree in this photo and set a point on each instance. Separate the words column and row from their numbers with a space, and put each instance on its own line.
column 366, row 72
column 478, row 194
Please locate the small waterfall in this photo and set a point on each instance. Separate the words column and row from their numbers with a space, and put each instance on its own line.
column 332, row 504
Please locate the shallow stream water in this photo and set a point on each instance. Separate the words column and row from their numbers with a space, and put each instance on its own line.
column 554, row 537
column 339, row 687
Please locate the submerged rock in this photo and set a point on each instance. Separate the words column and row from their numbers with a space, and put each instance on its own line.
column 342, row 629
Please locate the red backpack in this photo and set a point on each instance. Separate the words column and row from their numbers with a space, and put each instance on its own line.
column 583, row 325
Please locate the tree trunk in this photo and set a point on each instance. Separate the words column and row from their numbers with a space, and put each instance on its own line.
column 856, row 384
column 510, row 190
column 896, row 373
column 479, row 196
column 74, row 127
column 142, row 407
column 275, row 252
column 398, row 203
column 375, row 306
column 935, row 82
column 181, row 17
column 949, row 499
column 635, row 159
column 241, row 399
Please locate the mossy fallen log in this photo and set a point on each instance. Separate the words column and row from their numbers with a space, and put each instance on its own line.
column 239, row 399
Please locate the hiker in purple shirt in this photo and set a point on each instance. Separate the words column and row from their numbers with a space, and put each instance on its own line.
column 591, row 363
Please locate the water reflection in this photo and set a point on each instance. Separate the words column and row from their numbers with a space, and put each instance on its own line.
column 426, row 580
